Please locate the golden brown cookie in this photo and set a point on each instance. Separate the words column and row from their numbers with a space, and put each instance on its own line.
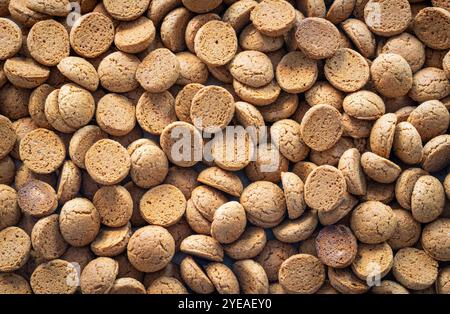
column 387, row 17
column 379, row 169
column 195, row 277
column 364, row 105
column 115, row 114
column 427, row 199
column 16, row 245
column 273, row 17
column 302, row 273
column 409, row 47
column 407, row 143
column 118, row 72
column 336, row 246
column 350, row 166
column 126, row 10
column 11, row 38
column 431, row 25
column 249, row 245
column 81, row 141
column 135, row 36
column 429, row 84
column 202, row 246
column 223, row 278
column 251, row 276
column 55, row 277
column 25, row 72
column 76, row 105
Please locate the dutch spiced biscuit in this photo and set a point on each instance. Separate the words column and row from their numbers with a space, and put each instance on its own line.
column 414, row 269
column 99, row 276
column 183, row 178
column 407, row 231
column 16, row 245
column 232, row 151
column 212, row 108
column 313, row 130
column 46, row 238
column 192, row 69
column 127, row 286
column 273, row 255
column 340, row 10
column 293, row 189
column 53, row 115
column 11, row 37
column 238, row 13
column 150, row 248
column 149, row 166
column 341, row 211
column 251, row 39
column 55, row 277
column 25, row 72
column 229, row 222
column 323, row 92
column 347, row 70
column 45, row 51
column 296, row 72
column 407, row 46
column 215, row 43
column 8, row 135
column 261, row 96
column 166, row 285
column 202, row 246
column 107, row 162
column 407, row 143
column 115, row 114
column 201, row 6
column 324, row 188
column 252, row 68
column 22, row 127
column 427, row 199
column 249, row 245
column 15, row 102
column 76, row 105
column 11, row 283
column 268, row 164
column 350, row 166
column 380, row 192
column 225, row 181
column 369, row 230
column 126, row 10
column 273, row 17
column 302, row 273
column 223, row 278
column 195, row 277
column 36, row 105
column 435, row 240
column 430, row 119
column 373, row 261
column 117, row 72
column 51, row 7
column 436, row 153
column 81, row 141
column 42, row 151
column 154, row 112
column 379, row 169
column 7, row 170
column 443, row 280
column 345, row 281
column 183, row 101
column 317, row 38
column 389, row 287
column 282, row 108
column 336, row 246
column 173, row 29
column 364, row 105
column 10, row 210
column 114, row 204
column 251, row 276
column 69, row 182
column 111, row 241
column 92, row 35
column 432, row 25
column 315, row 8
column 405, row 185
column 250, row 118
column 292, row 231
column 135, row 36
column 207, row 200
column 195, row 219
column 428, row 84
column 20, row 12
column 387, row 18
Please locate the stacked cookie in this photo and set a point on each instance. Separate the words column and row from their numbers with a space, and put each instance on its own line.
column 224, row 146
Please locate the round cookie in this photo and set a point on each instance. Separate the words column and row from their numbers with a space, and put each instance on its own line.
column 350, row 166
column 212, row 108
column 53, row 115
column 222, row 180
column 262, row 96
column 251, row 39
column 25, row 72
column 183, row 101
column 231, row 151
column 249, row 245
column 273, row 17
column 135, row 36
column 407, row 231
column 194, row 276
column 118, row 72
column 346, row 282
column 76, row 105
column 443, row 280
column 373, row 261
column 296, row 72
column 430, row 119
column 361, row 36
column 347, row 70
column 115, row 114
column 8, row 135
column 20, row 12
column 173, row 29
column 238, row 14
column 111, row 241
column 184, row 179
column 336, row 246
column 10, row 210
column 154, row 112
column 99, row 276
column 405, row 185
column 16, row 245
column 229, row 222
column 302, row 273
column 407, row 46
column 435, row 241
column 194, row 25
column 150, row 248
column 158, row 71
column 414, row 269
column 252, row 68
column 14, row 284
column 201, row 6
column 429, row 84
column 107, row 162
column 36, row 105
column 69, row 182
column 15, row 101
column 407, row 143
column 431, row 25
column 127, row 286
column 81, row 141
column 293, row 188
column 364, row 105
column 268, row 164
column 91, row 35
column 11, row 37
column 192, row 69
column 195, row 219
column 45, row 51
column 55, row 277
column 427, row 199
column 387, row 17
column 313, row 130
column 317, row 38
column 166, row 285
column 251, row 276
column 37, row 199
column 149, row 166
column 216, row 43
column 371, row 231
column 79, row 222
column 323, row 92
column 126, row 10
column 435, row 153
column 223, row 278
column 292, row 231
column 46, row 238
column 379, row 169
column 114, row 204
column 207, row 200
column 50, row 7
column 273, row 255
column 202, row 246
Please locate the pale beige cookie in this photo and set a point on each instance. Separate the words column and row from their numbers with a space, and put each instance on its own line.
column 107, row 162
column 251, row 39
column 273, row 255
column 195, row 277
column 154, row 112
column 273, row 17
column 195, row 219
column 430, row 119
column 223, row 278
column 340, row 10
column 42, row 151
column 8, row 135
column 99, row 275
column 373, row 261
column 192, row 69
column 126, row 10
column 25, row 72
column 46, row 238
column 268, row 164
column 14, row 284
column 238, row 14
column 111, row 241
column 207, row 200
column 166, row 285
column 414, row 269
column 302, row 273
column 315, row 8
column 409, row 47
column 317, row 38
column 114, row 204
column 184, row 179
column 76, row 105
column 407, row 143
column 350, row 166
column 251, row 276
column 404, row 113
column 435, row 240
column 212, row 108
column 292, row 231
column 194, row 25
column 21, row 13
column 183, row 101
column 151, row 248
column 55, row 277
column 296, row 72
column 81, row 141
column 387, row 17
column 229, row 222
column 429, row 84
column 127, row 286
column 232, row 150
column 432, row 25
column 371, row 231
column 222, row 180
column 252, row 68
column 293, row 188
column 379, row 169
column 216, row 43
column 69, row 182
column 391, row 75
column 11, row 38
column 53, row 115
column 79, row 71
column 202, row 246
column 91, row 35
column 364, row 105
column 314, row 134
column 282, row 108
column 50, row 7
column 347, row 70
column 427, row 199
column 345, row 281
column 115, row 114
column 158, row 71
column 173, row 29
column 183, row 157
column 405, row 185
column 336, row 246
column 16, row 245
column 149, row 166
column 135, row 36
column 436, row 153
column 117, row 72
column 323, row 92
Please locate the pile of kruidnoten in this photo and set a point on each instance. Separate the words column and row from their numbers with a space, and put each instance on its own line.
column 209, row 146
